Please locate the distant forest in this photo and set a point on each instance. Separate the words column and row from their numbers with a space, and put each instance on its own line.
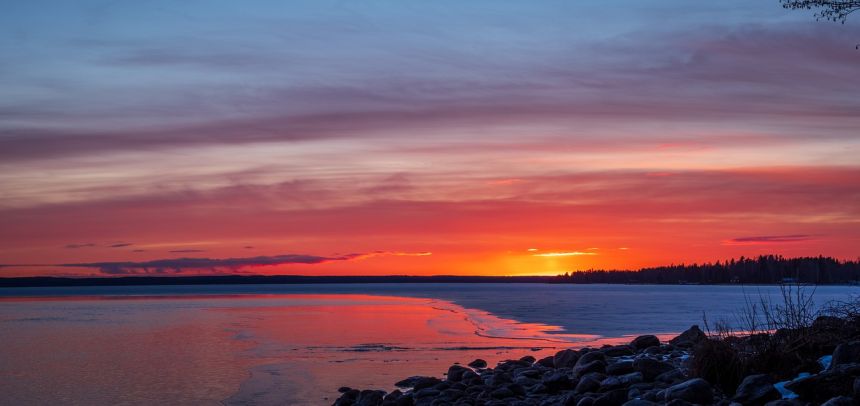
column 768, row 269
column 765, row 269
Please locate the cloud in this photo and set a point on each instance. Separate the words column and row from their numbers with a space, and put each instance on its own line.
column 216, row 265
column 185, row 251
column 769, row 239
column 120, row 245
column 564, row 254
column 76, row 246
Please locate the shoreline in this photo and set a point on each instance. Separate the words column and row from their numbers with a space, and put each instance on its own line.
column 689, row 369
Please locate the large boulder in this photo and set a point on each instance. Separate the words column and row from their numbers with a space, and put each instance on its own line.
column 756, row 390
column 828, row 384
column 651, row 368
column 689, row 338
column 643, row 342
column 695, row 390
column 565, row 359
column 846, row 353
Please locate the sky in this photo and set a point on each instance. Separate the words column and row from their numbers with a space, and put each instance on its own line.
column 412, row 137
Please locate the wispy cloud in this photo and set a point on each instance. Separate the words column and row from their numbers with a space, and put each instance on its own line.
column 564, row 254
column 120, row 245
column 216, row 265
column 769, row 239
column 76, row 246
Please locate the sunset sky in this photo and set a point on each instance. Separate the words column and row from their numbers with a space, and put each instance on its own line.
column 422, row 137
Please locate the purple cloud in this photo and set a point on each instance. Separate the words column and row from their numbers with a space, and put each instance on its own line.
column 769, row 239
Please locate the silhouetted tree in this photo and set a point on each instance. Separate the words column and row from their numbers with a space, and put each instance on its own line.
column 831, row 10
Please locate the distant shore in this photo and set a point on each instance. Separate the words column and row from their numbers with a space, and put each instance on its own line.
column 47, row 281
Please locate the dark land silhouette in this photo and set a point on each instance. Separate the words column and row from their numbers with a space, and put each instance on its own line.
column 766, row 269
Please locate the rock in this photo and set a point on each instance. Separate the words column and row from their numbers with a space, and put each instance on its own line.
column 502, row 393
column 344, row 389
column 546, row 362
column 593, row 366
column 418, row 382
column 783, row 402
column 589, row 357
column 588, row 383
column 639, row 402
column 756, row 390
column 689, row 338
column 828, row 384
column 528, row 358
column 620, row 368
column 678, row 402
column 565, row 359
column 586, row 401
column 695, row 390
column 631, row 378
column 426, row 393
column 671, row 377
column 557, row 381
column 617, row 351
column 857, row 388
column 610, row 383
column 840, row 401
column 846, row 353
column 455, row 373
column 370, row 398
column 478, row 363
column 651, row 368
column 643, row 342
column 615, row 397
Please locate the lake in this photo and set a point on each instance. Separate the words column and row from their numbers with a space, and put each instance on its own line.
column 296, row 344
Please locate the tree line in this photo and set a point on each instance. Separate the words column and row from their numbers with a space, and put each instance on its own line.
column 765, row 269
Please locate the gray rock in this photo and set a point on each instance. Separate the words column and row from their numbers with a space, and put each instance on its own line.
column 478, row 363
column 615, row 397
column 586, row 401
column 857, row 388
column 695, row 390
column 590, row 356
column 689, row 338
column 455, row 373
column 651, row 368
column 828, row 384
column 620, row 368
column 618, row 351
column 565, row 359
column 426, row 393
column 840, row 401
column 418, row 382
column 588, row 383
column 846, row 353
column 671, row 377
column 643, row 342
column 502, row 393
column 639, row 402
column 756, row 390
column 546, row 362
column 593, row 366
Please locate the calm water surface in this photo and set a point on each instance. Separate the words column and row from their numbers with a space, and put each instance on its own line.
column 296, row 344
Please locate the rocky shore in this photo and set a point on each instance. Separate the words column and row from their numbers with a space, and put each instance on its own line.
column 819, row 365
